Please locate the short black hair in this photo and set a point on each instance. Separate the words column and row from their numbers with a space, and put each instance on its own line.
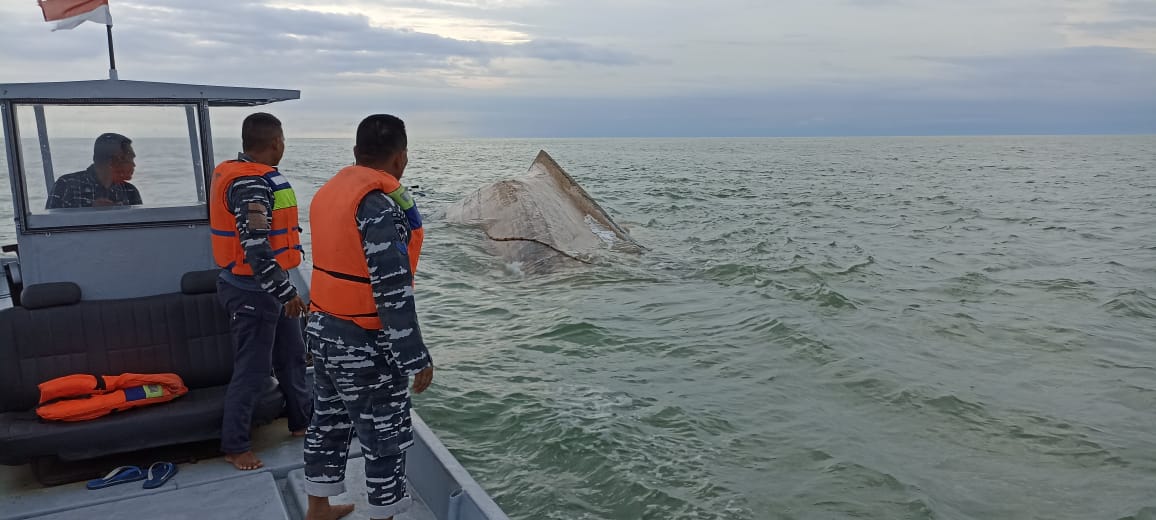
column 379, row 137
column 259, row 131
column 110, row 146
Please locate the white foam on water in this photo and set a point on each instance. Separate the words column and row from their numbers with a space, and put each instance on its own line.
column 515, row 268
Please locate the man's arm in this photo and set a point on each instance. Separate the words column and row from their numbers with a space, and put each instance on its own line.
column 133, row 196
column 251, row 200
column 378, row 219
column 58, row 196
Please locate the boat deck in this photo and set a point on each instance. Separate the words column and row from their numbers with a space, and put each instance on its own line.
column 213, row 489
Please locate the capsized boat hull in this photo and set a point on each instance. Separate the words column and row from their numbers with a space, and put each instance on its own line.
column 542, row 220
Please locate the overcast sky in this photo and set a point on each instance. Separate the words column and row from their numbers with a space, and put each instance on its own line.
column 542, row 68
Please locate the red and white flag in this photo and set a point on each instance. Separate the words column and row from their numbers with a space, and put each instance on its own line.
column 69, row 13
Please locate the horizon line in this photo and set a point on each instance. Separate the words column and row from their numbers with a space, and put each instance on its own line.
column 593, row 137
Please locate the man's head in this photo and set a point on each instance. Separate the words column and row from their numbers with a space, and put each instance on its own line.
column 262, row 138
column 112, row 154
column 381, row 144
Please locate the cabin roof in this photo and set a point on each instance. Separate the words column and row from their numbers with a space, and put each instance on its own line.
column 127, row 91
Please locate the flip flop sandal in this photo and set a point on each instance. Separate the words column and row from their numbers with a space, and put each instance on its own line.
column 121, row 475
column 159, row 473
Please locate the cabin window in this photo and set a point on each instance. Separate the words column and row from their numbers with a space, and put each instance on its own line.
column 151, row 170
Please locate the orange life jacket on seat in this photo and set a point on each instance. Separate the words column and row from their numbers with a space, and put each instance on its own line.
column 340, row 283
column 284, row 231
column 81, row 397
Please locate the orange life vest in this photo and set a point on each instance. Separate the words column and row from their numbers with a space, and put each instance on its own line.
column 284, row 232
column 81, row 397
column 340, row 283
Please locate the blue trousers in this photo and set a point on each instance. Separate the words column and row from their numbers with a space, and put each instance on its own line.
column 265, row 342
column 357, row 388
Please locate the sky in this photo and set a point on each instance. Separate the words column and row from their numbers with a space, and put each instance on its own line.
column 635, row 68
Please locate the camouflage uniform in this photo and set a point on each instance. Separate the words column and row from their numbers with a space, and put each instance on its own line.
column 361, row 376
column 264, row 339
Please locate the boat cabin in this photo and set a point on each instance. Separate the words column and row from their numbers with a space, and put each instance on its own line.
column 112, row 270
column 117, row 250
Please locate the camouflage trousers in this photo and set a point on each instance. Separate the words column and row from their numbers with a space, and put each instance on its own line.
column 357, row 389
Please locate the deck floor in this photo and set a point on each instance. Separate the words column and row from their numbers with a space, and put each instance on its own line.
column 355, row 480
column 207, row 490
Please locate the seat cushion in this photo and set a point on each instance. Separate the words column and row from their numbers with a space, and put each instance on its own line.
column 173, row 333
column 44, row 295
column 200, row 282
column 196, row 416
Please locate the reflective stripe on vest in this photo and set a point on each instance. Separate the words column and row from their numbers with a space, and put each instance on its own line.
column 340, row 284
column 284, row 231
column 81, row 397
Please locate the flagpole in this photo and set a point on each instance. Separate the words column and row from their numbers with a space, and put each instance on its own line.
column 111, row 55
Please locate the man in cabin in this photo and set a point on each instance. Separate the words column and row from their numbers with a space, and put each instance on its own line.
column 256, row 240
column 104, row 183
column 363, row 329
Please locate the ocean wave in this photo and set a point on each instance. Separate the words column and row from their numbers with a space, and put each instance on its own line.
column 1133, row 304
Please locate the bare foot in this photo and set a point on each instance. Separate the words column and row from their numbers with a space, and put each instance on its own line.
column 328, row 512
column 247, row 461
column 297, row 433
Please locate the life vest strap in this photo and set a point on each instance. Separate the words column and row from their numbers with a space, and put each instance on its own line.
column 338, row 315
column 284, row 250
column 343, row 276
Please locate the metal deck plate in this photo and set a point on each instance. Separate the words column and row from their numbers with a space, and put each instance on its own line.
column 251, row 497
column 355, row 494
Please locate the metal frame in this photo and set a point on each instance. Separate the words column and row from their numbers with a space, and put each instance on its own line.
column 113, row 217
column 207, row 158
column 195, row 150
column 45, row 149
column 142, row 92
column 120, row 92
column 15, row 162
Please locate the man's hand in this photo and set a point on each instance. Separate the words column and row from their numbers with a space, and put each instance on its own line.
column 296, row 308
column 99, row 203
column 422, row 380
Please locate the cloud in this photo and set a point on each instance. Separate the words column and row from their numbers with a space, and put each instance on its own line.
column 570, row 67
column 876, row 3
column 562, row 50
column 1145, row 8
column 1117, row 23
column 1079, row 90
column 1115, row 28
column 792, row 112
column 166, row 37
column 1082, row 73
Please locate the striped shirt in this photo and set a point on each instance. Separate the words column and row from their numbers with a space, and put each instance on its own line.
column 81, row 189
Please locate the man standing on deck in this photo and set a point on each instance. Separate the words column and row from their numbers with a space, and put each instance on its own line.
column 256, row 239
column 363, row 330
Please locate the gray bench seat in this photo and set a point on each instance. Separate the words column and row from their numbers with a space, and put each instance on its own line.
column 53, row 334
